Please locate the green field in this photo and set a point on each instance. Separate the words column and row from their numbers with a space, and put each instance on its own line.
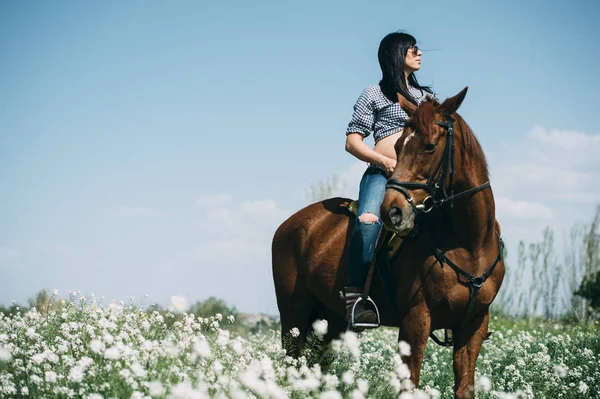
column 80, row 349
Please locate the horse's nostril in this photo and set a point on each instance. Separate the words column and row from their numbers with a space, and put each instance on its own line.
column 395, row 215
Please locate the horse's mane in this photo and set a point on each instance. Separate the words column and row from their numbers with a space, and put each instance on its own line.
column 470, row 145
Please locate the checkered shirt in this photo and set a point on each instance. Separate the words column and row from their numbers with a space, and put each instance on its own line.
column 374, row 112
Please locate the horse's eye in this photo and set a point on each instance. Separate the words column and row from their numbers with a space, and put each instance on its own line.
column 430, row 147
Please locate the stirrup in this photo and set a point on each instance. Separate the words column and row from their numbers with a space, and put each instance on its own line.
column 364, row 325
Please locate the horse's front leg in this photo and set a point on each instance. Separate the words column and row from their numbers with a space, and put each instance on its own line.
column 467, row 345
column 415, row 329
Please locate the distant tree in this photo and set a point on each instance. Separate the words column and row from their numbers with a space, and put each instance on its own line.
column 590, row 290
column 211, row 307
column 44, row 301
column 328, row 188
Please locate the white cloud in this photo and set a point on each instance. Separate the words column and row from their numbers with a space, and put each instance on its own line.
column 136, row 211
column 507, row 208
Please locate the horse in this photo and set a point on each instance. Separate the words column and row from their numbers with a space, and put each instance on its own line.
column 450, row 266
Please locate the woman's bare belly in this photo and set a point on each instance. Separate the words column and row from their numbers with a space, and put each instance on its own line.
column 386, row 145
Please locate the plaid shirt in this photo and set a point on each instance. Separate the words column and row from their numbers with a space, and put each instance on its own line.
column 374, row 112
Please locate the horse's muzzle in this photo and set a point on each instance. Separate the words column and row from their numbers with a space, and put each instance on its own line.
column 399, row 219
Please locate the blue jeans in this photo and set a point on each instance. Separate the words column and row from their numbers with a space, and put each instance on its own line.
column 364, row 235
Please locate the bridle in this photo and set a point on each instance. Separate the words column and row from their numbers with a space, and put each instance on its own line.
column 439, row 193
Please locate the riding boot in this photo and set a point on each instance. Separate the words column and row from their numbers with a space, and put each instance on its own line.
column 363, row 316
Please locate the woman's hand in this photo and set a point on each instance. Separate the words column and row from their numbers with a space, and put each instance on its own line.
column 389, row 164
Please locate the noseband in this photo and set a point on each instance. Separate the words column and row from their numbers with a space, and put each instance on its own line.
column 439, row 193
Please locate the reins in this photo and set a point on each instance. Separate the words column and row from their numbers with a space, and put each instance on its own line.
column 439, row 194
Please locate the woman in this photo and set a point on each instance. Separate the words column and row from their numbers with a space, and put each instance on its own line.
column 377, row 111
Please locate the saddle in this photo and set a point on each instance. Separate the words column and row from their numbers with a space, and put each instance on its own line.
column 388, row 246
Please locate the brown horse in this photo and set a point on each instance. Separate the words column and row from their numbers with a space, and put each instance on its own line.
column 445, row 276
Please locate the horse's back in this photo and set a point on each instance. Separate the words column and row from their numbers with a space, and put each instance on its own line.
column 308, row 246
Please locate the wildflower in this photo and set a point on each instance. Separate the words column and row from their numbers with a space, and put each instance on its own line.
column 76, row 374
column 138, row 370
column 485, row 383
column 404, row 348
column 112, row 353
column 231, row 318
column 156, row 388
column 350, row 341
column 403, row 371
column 295, row 332
column 330, row 395
column 560, row 371
column 55, row 292
column 95, row 396
column 178, row 304
column 201, row 347
column 320, row 327
column 583, row 387
column 25, row 391
column 348, row 377
column 363, row 385
column 237, row 347
column 96, row 346
column 50, row 376
column 5, row 355
column 223, row 338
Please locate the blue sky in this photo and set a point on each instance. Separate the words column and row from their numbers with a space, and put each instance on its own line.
column 152, row 147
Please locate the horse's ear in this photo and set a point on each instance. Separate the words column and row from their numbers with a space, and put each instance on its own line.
column 452, row 104
column 406, row 105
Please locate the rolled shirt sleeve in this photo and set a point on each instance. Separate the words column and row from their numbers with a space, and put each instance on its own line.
column 363, row 117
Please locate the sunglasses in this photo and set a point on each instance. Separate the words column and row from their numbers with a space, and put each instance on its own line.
column 414, row 49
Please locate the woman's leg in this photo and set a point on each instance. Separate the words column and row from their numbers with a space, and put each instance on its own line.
column 363, row 241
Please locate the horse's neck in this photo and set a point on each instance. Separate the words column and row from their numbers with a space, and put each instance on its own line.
column 470, row 223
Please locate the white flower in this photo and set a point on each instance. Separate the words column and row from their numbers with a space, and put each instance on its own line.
column 403, row 371
column 348, row 377
column 363, row 385
column 25, row 391
column 4, row 354
column 112, row 353
column 560, row 371
column 201, row 347
column 178, row 304
column 350, row 341
column 406, row 395
column 96, row 346
column 156, row 388
column 320, row 327
column 50, row 376
column 95, row 396
column 295, row 332
column 356, row 394
column 231, row 318
column 330, row 395
column 138, row 370
column 217, row 367
column 219, row 316
column 237, row 346
column 485, row 383
column 404, row 348
column 223, row 338
column 583, row 388
column 76, row 374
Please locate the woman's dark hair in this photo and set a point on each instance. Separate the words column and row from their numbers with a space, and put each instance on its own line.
column 392, row 52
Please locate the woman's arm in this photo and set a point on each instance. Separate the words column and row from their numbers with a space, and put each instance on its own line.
column 356, row 146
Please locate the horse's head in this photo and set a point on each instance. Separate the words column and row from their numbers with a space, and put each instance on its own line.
column 426, row 159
